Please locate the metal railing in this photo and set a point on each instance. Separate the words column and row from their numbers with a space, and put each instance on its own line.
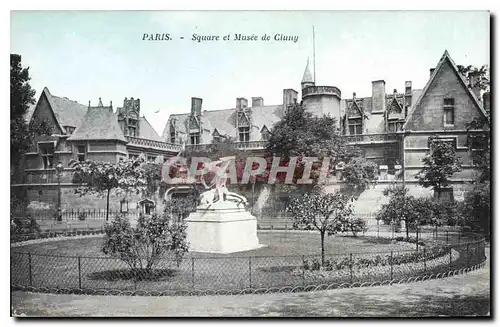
column 73, row 213
column 153, row 144
column 442, row 254
column 380, row 137
column 320, row 90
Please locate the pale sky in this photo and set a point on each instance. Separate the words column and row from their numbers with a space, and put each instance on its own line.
column 87, row 55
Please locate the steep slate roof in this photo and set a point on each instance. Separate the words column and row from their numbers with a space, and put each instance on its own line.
column 445, row 57
column 146, row 131
column 29, row 112
column 99, row 123
column 67, row 112
column 225, row 120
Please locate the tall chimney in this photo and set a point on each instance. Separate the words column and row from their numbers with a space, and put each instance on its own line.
column 290, row 97
column 408, row 88
column 431, row 71
column 474, row 85
column 408, row 97
column 241, row 103
column 257, row 102
column 378, row 96
column 196, row 106
column 486, row 101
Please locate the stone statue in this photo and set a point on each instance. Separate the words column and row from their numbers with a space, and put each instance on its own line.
column 220, row 191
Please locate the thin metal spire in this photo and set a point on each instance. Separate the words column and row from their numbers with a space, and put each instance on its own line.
column 314, row 58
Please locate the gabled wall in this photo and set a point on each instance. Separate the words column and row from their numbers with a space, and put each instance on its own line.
column 428, row 115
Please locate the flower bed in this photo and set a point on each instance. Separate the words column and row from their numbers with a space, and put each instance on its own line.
column 375, row 264
column 25, row 239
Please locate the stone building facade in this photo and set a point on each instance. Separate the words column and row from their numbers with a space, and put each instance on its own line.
column 392, row 128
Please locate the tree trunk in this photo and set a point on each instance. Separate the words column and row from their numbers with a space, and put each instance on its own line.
column 322, row 233
column 407, row 226
column 107, row 206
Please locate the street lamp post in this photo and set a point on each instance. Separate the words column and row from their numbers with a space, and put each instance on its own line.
column 59, row 169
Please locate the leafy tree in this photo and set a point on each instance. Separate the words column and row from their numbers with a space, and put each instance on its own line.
column 480, row 141
column 415, row 211
column 99, row 178
column 358, row 174
column 21, row 93
column 482, row 73
column 302, row 134
column 142, row 247
column 354, row 225
column 22, row 96
column 325, row 212
column 440, row 163
column 477, row 207
column 403, row 207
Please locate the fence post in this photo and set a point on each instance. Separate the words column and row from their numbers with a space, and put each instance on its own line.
column 391, row 265
column 425, row 261
column 192, row 271
column 447, row 232
column 250, row 271
column 79, row 273
column 350, row 266
column 467, row 256
column 417, row 238
column 30, row 271
column 450, row 257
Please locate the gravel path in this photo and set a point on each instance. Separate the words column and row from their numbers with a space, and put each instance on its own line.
column 462, row 295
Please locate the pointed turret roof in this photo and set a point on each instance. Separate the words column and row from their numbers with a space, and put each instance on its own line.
column 307, row 78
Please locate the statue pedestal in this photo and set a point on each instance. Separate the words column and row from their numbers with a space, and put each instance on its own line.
column 222, row 227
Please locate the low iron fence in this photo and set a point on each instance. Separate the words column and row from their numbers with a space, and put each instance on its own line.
column 74, row 214
column 438, row 255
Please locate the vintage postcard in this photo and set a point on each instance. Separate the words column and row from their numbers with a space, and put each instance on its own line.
column 250, row 164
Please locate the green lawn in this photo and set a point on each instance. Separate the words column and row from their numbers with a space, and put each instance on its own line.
column 276, row 244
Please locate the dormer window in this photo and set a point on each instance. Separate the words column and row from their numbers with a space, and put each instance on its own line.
column 194, row 137
column 69, row 130
column 217, row 139
column 395, row 126
column 265, row 134
column 244, row 133
column 355, row 126
column 132, row 131
column 132, row 125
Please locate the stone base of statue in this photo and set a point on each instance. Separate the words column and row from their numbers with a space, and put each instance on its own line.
column 222, row 227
